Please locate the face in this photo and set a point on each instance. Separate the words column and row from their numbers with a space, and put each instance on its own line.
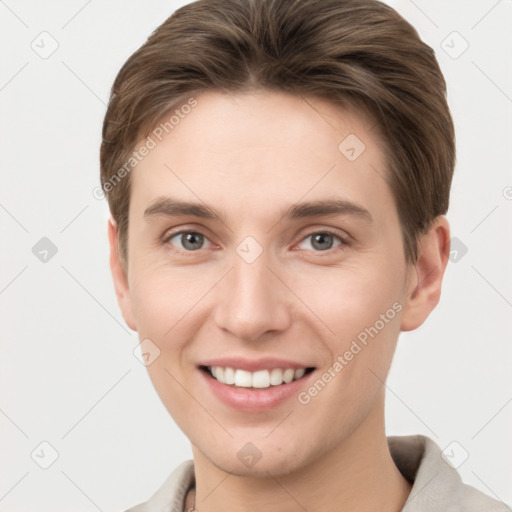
column 262, row 235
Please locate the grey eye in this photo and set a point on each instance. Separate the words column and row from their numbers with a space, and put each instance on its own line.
column 322, row 241
column 189, row 240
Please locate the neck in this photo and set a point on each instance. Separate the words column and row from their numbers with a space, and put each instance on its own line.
column 357, row 474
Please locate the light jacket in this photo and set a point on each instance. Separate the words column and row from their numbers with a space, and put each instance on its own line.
column 436, row 486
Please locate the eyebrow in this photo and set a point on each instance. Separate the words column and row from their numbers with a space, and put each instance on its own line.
column 172, row 207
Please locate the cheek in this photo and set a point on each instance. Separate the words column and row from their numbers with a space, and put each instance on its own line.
column 347, row 300
column 170, row 307
column 165, row 299
column 164, row 307
column 360, row 311
column 365, row 319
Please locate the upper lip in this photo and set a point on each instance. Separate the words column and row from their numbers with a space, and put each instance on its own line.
column 253, row 365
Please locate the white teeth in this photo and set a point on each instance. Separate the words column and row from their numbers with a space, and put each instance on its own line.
column 276, row 377
column 288, row 375
column 243, row 379
column 299, row 373
column 260, row 379
column 229, row 376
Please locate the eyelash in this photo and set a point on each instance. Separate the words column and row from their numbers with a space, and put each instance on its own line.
column 343, row 241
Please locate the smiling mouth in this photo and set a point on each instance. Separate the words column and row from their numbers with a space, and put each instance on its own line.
column 262, row 379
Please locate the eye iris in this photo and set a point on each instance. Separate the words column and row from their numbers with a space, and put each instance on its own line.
column 192, row 241
column 320, row 238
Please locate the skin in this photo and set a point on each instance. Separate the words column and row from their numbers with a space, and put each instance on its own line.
column 249, row 156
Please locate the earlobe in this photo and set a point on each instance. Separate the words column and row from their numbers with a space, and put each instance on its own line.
column 428, row 272
column 119, row 277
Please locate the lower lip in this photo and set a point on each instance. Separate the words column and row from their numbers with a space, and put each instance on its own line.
column 251, row 399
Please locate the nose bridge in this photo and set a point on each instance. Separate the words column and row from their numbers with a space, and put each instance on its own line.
column 252, row 280
column 250, row 302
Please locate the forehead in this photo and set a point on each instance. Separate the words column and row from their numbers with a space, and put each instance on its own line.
column 253, row 150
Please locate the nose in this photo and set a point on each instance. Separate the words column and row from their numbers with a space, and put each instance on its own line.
column 252, row 301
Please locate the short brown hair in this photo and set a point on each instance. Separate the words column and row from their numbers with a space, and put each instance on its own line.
column 358, row 53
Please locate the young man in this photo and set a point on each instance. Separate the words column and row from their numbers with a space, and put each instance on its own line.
column 278, row 173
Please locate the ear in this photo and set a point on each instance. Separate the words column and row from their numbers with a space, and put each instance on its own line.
column 119, row 276
column 426, row 276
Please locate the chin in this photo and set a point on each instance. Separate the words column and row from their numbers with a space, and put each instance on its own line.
column 271, row 465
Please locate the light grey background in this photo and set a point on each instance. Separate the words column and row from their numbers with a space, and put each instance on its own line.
column 69, row 376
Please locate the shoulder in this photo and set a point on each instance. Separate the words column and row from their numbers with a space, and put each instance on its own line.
column 436, row 484
column 170, row 496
